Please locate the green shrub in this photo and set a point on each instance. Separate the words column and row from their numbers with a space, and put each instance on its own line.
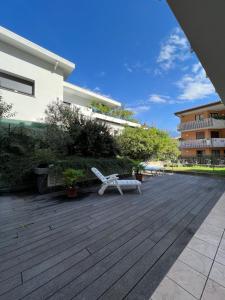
column 106, row 165
column 21, row 150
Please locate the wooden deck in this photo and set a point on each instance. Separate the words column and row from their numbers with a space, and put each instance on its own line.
column 109, row 247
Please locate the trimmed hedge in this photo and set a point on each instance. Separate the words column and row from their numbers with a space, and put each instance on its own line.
column 107, row 166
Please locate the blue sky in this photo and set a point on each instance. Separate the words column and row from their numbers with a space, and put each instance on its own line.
column 132, row 50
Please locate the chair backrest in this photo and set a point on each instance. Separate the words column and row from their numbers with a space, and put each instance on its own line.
column 99, row 174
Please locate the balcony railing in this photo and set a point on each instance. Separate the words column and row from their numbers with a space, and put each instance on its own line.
column 209, row 160
column 217, row 143
column 200, row 124
column 203, row 143
column 89, row 113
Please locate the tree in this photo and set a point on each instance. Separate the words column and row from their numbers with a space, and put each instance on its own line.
column 63, row 127
column 81, row 136
column 142, row 144
column 168, row 147
column 5, row 109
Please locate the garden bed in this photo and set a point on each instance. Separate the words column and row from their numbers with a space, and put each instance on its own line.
column 121, row 166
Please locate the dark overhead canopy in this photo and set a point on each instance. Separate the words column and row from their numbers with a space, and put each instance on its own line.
column 203, row 22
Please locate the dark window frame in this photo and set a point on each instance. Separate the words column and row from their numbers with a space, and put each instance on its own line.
column 19, row 79
column 200, row 153
column 67, row 103
column 216, row 153
column 216, row 134
column 214, row 114
column 200, row 133
column 199, row 117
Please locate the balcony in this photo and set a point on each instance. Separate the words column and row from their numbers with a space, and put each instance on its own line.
column 90, row 113
column 202, row 124
column 203, row 143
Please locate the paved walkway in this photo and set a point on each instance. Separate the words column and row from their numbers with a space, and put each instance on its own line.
column 111, row 247
column 199, row 272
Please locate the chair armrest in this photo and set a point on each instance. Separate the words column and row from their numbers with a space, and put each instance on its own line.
column 115, row 176
column 112, row 179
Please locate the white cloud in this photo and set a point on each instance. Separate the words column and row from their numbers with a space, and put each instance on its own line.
column 141, row 108
column 128, row 68
column 174, row 49
column 138, row 66
column 161, row 99
column 195, row 85
column 197, row 68
column 156, row 98
column 192, row 83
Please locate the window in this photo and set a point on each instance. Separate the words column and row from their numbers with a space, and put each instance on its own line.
column 200, row 135
column 215, row 134
column 16, row 84
column 200, row 153
column 199, row 117
column 216, row 153
column 214, row 115
column 67, row 103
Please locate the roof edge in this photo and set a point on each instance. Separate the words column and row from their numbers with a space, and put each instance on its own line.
column 91, row 93
column 19, row 42
column 198, row 107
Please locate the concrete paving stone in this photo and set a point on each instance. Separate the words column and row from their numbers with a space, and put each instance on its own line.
column 169, row 290
column 197, row 261
column 213, row 291
column 189, row 279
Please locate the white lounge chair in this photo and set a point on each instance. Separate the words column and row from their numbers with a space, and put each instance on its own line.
column 114, row 181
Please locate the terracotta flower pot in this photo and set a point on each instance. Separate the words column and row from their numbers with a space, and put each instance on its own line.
column 139, row 177
column 72, row 192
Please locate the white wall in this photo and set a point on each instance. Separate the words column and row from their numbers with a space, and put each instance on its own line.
column 48, row 84
column 75, row 99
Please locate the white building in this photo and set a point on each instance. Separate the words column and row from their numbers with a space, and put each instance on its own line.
column 32, row 77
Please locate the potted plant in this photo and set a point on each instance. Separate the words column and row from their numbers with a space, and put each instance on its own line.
column 138, row 171
column 71, row 176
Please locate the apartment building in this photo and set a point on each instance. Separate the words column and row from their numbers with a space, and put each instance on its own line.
column 202, row 130
column 31, row 77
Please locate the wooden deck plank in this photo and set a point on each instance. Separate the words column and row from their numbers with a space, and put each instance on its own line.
column 108, row 247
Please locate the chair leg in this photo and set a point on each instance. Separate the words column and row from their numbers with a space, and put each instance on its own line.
column 139, row 189
column 119, row 189
column 102, row 189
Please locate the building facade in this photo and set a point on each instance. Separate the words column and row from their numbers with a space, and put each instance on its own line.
column 202, row 130
column 31, row 77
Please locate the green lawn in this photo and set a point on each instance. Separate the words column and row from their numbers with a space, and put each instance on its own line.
column 200, row 169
